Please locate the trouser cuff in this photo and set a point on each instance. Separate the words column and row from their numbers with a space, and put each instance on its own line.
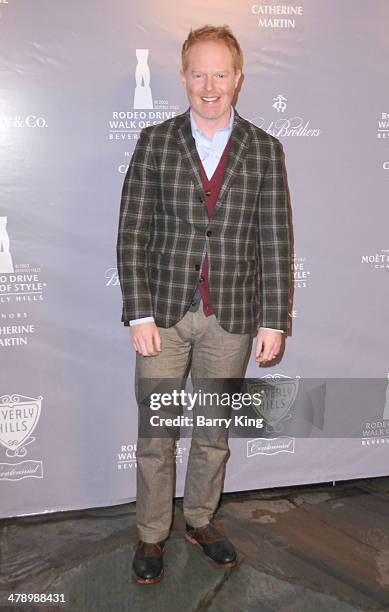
column 198, row 522
column 152, row 537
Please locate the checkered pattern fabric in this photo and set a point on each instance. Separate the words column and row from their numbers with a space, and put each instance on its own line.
column 164, row 230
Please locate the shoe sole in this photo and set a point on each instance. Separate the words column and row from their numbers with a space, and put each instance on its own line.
column 148, row 580
column 210, row 561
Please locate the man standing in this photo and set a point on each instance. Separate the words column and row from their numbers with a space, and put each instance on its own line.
column 204, row 261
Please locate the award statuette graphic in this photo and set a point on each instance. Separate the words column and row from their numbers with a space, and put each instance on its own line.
column 6, row 265
column 142, row 96
column 19, row 416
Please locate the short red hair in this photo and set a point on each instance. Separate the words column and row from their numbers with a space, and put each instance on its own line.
column 216, row 33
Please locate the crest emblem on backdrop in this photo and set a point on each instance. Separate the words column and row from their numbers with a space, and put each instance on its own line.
column 278, row 393
column 19, row 416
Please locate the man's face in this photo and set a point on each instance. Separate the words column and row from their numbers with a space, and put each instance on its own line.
column 210, row 79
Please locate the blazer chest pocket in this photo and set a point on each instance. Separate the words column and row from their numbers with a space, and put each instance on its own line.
column 245, row 188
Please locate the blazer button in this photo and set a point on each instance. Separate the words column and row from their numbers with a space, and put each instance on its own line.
column 197, row 267
column 209, row 233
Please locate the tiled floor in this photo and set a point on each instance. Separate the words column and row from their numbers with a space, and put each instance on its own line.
column 315, row 548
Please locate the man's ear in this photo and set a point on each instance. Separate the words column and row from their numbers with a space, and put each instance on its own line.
column 182, row 75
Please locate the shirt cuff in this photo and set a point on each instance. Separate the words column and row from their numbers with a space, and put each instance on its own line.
column 142, row 320
column 272, row 329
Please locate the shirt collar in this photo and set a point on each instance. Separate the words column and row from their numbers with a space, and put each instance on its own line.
column 195, row 127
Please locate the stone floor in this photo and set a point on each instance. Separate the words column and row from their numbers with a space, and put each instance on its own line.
column 316, row 548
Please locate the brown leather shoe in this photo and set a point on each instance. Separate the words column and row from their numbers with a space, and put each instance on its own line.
column 219, row 550
column 148, row 562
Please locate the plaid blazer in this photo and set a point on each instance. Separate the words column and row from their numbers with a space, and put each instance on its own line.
column 164, row 230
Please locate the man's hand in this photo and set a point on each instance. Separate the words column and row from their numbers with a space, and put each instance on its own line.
column 268, row 345
column 146, row 339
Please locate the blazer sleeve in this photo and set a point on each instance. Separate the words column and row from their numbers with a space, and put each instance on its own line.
column 136, row 212
column 274, row 243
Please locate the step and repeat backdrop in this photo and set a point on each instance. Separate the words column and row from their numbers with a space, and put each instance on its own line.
column 79, row 80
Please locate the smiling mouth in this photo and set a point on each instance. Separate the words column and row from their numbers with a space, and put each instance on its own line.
column 210, row 99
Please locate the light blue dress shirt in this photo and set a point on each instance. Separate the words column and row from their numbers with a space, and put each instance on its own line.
column 210, row 152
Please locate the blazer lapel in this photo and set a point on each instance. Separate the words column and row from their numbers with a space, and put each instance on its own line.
column 187, row 146
column 240, row 140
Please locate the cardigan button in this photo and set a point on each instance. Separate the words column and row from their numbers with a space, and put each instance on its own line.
column 208, row 193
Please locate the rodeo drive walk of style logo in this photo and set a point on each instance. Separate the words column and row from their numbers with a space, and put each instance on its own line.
column 21, row 289
column 127, row 455
column 375, row 431
column 19, row 415
column 144, row 109
column 281, row 127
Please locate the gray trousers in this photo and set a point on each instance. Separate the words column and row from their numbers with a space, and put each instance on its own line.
column 200, row 344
